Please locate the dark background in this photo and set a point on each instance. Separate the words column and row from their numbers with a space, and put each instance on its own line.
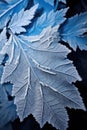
column 78, row 118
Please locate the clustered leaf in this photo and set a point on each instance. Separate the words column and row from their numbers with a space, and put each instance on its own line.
column 34, row 68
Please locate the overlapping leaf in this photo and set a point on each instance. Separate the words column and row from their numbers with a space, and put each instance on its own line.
column 21, row 19
column 8, row 8
column 74, row 31
column 45, row 20
column 48, row 5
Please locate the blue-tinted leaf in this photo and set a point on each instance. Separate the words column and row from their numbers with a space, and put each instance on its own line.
column 48, row 5
column 6, row 10
column 22, row 19
column 73, row 31
column 48, row 19
column 41, row 86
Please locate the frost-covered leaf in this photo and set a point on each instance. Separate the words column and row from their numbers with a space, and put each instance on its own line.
column 21, row 19
column 7, row 9
column 73, row 31
column 41, row 86
column 48, row 19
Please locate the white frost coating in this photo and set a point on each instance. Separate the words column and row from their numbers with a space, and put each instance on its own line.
column 42, row 78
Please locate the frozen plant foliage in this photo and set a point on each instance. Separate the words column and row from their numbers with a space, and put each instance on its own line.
column 74, row 30
column 34, row 69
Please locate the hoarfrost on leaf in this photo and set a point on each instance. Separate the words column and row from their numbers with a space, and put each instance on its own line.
column 43, row 87
column 22, row 19
column 37, row 72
